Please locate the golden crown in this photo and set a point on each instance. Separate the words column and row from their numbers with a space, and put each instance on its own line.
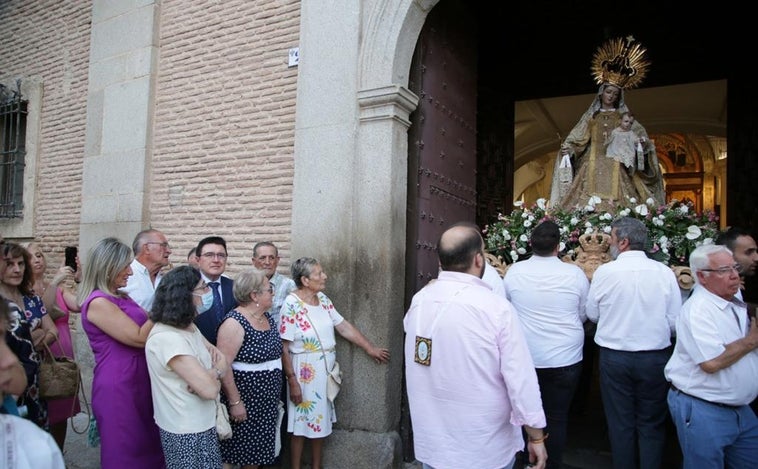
column 620, row 62
column 595, row 242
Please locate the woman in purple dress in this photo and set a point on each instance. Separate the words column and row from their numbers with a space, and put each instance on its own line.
column 117, row 329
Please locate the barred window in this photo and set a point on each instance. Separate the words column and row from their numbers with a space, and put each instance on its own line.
column 13, row 113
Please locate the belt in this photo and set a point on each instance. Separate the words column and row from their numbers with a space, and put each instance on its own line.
column 720, row 404
column 265, row 366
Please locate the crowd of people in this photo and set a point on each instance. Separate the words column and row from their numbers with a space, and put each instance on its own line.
column 170, row 345
column 520, row 354
column 262, row 345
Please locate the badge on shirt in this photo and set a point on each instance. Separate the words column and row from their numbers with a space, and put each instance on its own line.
column 423, row 355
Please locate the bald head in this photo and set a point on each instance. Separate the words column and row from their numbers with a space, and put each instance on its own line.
column 458, row 249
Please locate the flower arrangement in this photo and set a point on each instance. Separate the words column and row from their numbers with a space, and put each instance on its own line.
column 674, row 229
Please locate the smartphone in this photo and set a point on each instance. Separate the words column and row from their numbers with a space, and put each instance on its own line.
column 71, row 252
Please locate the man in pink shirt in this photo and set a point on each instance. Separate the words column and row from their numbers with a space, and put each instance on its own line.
column 470, row 378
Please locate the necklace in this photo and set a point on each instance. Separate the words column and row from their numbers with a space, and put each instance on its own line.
column 260, row 318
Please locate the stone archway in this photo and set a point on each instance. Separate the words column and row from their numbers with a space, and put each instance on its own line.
column 349, row 200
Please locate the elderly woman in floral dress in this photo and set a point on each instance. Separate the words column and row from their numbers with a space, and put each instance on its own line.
column 308, row 322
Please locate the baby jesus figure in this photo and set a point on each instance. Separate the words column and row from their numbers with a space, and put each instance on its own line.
column 625, row 146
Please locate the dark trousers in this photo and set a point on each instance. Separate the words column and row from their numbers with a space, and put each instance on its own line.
column 557, row 387
column 634, row 392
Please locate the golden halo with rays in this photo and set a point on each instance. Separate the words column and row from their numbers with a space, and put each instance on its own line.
column 620, row 62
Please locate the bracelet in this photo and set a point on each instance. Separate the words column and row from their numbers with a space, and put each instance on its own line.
column 537, row 441
column 232, row 404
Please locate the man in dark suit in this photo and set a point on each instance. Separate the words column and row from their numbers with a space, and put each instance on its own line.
column 211, row 259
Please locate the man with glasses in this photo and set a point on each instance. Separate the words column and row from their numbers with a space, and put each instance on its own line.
column 211, row 259
column 151, row 255
column 266, row 258
column 635, row 302
column 714, row 366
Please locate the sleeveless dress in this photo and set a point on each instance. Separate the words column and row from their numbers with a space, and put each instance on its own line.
column 59, row 410
column 33, row 312
column 314, row 416
column 253, row 441
column 121, row 397
column 19, row 340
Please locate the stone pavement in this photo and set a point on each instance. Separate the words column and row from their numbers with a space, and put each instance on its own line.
column 77, row 453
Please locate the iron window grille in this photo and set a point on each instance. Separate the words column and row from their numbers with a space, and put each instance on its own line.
column 13, row 112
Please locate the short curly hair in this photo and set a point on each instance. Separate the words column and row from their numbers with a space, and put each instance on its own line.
column 246, row 282
column 173, row 304
column 302, row 268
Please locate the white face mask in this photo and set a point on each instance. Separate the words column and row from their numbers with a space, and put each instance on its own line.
column 207, row 299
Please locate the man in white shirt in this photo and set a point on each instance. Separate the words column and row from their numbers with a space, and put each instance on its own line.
column 493, row 279
column 713, row 368
column 549, row 296
column 151, row 254
column 635, row 302
column 266, row 258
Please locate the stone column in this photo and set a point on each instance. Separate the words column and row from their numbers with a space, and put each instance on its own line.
column 116, row 171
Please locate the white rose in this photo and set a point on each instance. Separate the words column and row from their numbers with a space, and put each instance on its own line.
column 625, row 212
column 594, row 200
column 561, row 246
column 650, row 201
column 587, row 224
column 588, row 230
column 514, row 256
column 524, row 238
column 521, row 251
column 607, row 229
column 506, row 235
column 518, row 203
column 589, row 208
column 527, row 223
column 541, row 203
column 641, row 209
column 683, row 209
column 632, row 200
column 693, row 232
column 574, row 221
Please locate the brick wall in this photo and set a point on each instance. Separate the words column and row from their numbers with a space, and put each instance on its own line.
column 224, row 125
column 50, row 40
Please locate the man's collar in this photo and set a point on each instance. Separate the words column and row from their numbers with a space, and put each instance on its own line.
column 208, row 279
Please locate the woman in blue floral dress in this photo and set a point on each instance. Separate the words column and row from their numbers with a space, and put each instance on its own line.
column 29, row 329
column 308, row 322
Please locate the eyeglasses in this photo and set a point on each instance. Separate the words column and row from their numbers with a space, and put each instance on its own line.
column 214, row 255
column 202, row 288
column 725, row 269
column 163, row 245
column 270, row 289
